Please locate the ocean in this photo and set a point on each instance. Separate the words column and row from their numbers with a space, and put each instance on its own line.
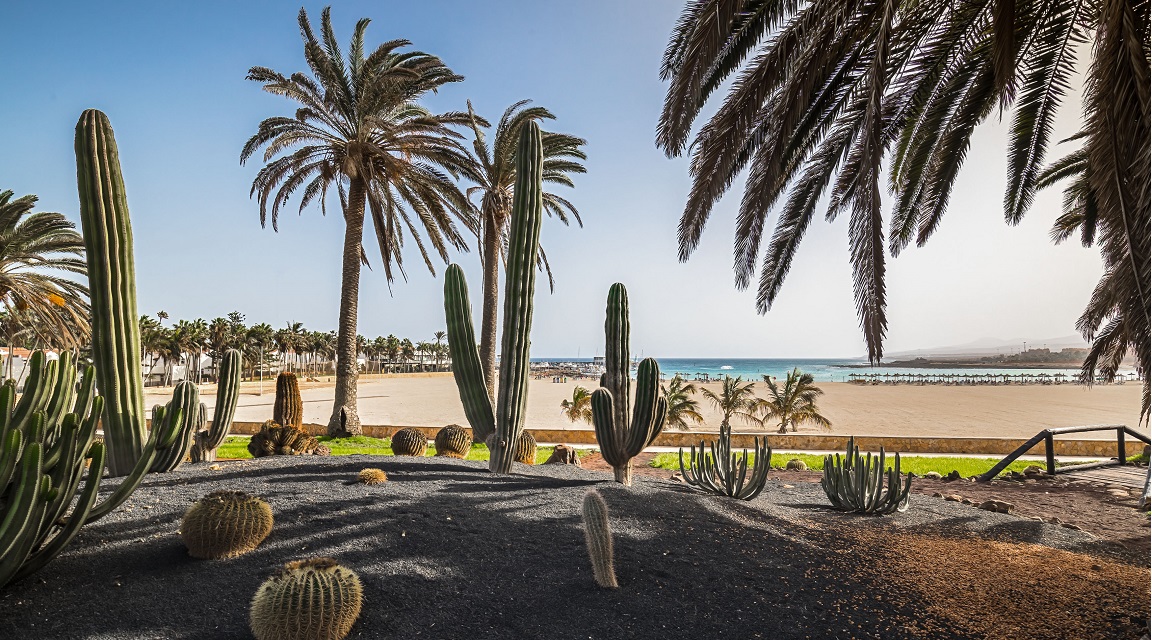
column 824, row 370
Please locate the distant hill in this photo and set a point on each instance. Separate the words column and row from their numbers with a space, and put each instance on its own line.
column 991, row 346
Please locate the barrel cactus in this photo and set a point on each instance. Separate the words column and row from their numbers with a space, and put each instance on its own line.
column 307, row 600
column 372, row 475
column 501, row 427
column 453, row 441
column 277, row 440
column 525, row 448
column 862, row 484
column 288, row 409
column 622, row 437
column 225, row 524
column 409, row 442
column 723, row 472
column 598, row 536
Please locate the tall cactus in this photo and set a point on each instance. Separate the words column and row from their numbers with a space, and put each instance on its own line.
column 621, row 438
column 288, row 410
column 186, row 403
column 227, row 397
column 112, row 282
column 502, row 429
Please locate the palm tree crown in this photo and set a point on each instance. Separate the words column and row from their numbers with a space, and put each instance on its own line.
column 736, row 399
column 825, row 93
column 579, row 407
column 794, row 402
column 682, row 407
column 35, row 250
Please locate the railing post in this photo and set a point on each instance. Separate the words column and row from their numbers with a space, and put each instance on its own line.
column 1121, row 456
column 1050, row 454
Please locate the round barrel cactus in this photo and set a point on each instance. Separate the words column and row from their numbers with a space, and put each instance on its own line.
column 372, row 475
column 525, row 452
column 275, row 439
column 409, row 442
column 307, row 600
column 453, row 441
column 225, row 524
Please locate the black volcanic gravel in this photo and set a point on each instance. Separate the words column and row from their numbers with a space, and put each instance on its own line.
column 447, row 550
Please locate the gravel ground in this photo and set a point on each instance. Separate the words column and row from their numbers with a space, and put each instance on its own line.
column 446, row 550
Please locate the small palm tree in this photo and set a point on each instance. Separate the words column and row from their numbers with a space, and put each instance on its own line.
column 793, row 403
column 579, row 408
column 360, row 130
column 682, row 408
column 493, row 170
column 35, row 249
column 737, row 399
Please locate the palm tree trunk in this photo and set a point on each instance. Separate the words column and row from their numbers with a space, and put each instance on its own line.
column 345, row 420
column 491, row 265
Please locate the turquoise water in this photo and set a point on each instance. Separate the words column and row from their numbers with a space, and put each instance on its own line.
column 825, row 370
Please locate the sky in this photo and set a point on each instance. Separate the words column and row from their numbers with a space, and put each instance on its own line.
column 171, row 77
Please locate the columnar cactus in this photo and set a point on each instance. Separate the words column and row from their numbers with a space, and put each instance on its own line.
column 855, row 483
column 225, row 524
column 185, row 400
column 227, row 398
column 723, row 472
column 525, row 449
column 501, row 428
column 598, row 536
column 453, row 441
column 308, row 600
column 409, row 442
column 621, row 438
column 289, row 408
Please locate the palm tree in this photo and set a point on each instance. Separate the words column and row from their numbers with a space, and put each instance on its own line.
column 682, row 408
column 361, row 129
column 736, row 399
column 794, row 403
column 35, row 250
column 438, row 348
column 162, row 316
column 829, row 93
column 579, row 407
column 493, row 170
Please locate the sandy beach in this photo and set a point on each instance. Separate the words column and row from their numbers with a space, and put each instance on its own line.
column 907, row 410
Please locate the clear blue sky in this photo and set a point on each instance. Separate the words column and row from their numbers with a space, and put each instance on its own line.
column 170, row 75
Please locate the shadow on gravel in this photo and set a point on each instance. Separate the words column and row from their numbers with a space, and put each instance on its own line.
column 444, row 553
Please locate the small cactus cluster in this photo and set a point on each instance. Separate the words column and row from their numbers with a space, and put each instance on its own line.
column 857, row 483
column 525, row 448
column 725, row 473
column 598, row 536
column 225, row 524
column 372, row 475
column 288, row 409
column 314, row 599
column 277, row 440
column 453, row 441
column 409, row 442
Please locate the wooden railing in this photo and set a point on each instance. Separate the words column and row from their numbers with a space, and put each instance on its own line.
column 1048, row 435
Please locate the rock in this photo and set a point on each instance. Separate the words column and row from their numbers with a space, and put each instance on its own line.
column 932, row 475
column 1069, row 525
column 1119, row 493
column 676, row 477
column 953, row 498
column 214, row 467
column 1052, row 520
column 322, row 450
column 796, row 464
column 996, row 506
column 786, row 486
column 563, row 454
column 1097, row 567
column 1136, row 493
column 1033, row 469
column 967, row 501
column 955, row 475
column 937, row 495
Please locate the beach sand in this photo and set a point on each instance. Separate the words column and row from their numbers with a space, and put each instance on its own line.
column 896, row 410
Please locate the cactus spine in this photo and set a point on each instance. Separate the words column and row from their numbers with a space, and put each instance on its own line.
column 502, row 430
column 622, row 439
column 598, row 536
column 313, row 599
column 227, row 398
column 289, row 408
column 107, row 233
column 857, row 483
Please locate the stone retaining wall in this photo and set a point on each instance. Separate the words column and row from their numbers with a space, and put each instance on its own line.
column 793, row 441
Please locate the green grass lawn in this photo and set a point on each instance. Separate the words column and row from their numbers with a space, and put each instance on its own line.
column 919, row 465
column 237, row 447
